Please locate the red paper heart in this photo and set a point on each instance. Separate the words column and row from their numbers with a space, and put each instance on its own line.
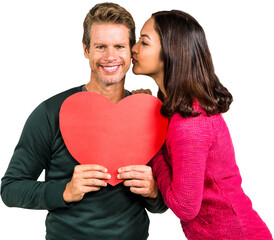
column 97, row 131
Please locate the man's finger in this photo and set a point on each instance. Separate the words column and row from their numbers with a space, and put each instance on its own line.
column 89, row 167
column 136, row 183
column 95, row 175
column 141, row 191
column 137, row 168
column 134, row 175
column 94, row 183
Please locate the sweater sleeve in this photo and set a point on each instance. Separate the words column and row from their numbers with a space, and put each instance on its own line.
column 156, row 206
column 182, row 184
column 19, row 187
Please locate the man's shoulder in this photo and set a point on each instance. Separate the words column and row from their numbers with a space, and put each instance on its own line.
column 60, row 97
column 56, row 101
column 52, row 105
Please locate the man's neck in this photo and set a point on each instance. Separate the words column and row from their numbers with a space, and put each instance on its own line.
column 114, row 92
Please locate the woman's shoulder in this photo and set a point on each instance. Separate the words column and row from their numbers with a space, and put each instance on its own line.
column 197, row 129
column 200, row 124
column 190, row 124
column 202, row 118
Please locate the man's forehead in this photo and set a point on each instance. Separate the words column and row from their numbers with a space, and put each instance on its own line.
column 108, row 41
column 109, row 33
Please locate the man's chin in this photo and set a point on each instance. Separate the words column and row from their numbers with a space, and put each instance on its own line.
column 109, row 82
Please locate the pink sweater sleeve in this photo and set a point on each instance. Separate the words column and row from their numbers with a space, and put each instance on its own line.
column 187, row 144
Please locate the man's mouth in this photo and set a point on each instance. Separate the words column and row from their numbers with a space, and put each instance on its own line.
column 110, row 69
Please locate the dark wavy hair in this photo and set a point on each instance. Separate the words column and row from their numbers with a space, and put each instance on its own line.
column 188, row 68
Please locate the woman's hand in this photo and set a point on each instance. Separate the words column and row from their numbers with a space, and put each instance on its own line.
column 146, row 91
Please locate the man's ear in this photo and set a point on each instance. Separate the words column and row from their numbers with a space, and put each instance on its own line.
column 86, row 50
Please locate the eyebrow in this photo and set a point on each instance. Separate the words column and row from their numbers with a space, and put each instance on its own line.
column 106, row 43
column 145, row 35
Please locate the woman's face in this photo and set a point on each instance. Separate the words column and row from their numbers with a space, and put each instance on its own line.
column 146, row 54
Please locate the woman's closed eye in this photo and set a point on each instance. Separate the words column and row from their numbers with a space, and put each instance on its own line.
column 144, row 43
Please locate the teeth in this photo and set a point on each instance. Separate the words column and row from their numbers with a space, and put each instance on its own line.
column 111, row 68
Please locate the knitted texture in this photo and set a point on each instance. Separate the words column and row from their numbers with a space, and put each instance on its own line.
column 198, row 177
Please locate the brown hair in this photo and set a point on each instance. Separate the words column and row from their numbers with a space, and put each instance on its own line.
column 108, row 13
column 188, row 68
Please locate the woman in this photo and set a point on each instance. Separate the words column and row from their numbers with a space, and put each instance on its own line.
column 196, row 170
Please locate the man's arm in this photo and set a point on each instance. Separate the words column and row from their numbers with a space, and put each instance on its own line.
column 32, row 154
column 19, row 187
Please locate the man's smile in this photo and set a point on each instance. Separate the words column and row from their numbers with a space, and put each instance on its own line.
column 110, row 69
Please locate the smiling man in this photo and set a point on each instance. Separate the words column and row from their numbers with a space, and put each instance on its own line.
column 81, row 205
column 109, row 53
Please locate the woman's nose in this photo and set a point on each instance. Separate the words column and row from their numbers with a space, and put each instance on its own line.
column 135, row 48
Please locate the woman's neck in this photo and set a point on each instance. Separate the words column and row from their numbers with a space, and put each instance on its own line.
column 160, row 82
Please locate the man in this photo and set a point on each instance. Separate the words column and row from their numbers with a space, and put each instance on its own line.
column 80, row 203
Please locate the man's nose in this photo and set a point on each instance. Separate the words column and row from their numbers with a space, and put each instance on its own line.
column 111, row 55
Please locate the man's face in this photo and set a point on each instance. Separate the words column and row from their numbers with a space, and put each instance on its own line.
column 109, row 54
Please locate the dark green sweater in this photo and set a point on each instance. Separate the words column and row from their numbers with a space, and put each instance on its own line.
column 109, row 214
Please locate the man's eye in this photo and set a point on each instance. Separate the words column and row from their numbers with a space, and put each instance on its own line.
column 120, row 47
column 100, row 47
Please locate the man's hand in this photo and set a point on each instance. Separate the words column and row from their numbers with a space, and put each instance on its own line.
column 86, row 178
column 146, row 91
column 139, row 179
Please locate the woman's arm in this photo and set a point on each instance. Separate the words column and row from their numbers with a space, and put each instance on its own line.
column 188, row 146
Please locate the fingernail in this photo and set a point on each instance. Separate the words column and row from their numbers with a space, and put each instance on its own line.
column 119, row 170
column 109, row 176
column 106, row 170
column 118, row 176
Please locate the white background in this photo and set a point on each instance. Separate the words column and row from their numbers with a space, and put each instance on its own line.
column 41, row 55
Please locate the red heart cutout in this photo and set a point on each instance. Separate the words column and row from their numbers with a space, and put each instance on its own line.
column 98, row 131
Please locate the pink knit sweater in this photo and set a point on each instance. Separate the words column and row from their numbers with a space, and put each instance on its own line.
column 198, row 177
